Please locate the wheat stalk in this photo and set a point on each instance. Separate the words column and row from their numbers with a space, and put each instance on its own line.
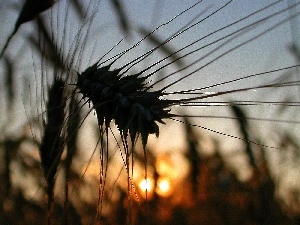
column 132, row 100
column 30, row 10
column 52, row 142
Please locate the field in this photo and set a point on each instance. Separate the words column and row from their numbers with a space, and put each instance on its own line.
column 149, row 112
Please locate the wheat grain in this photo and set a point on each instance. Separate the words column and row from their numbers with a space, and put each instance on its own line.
column 53, row 142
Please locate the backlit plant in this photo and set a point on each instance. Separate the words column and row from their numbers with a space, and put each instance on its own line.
column 141, row 88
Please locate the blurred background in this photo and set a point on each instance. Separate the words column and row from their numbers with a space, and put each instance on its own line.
column 233, row 160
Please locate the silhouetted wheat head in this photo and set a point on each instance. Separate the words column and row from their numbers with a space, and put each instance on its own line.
column 125, row 100
column 52, row 143
column 125, row 88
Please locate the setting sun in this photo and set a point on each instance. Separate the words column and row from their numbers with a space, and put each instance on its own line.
column 146, row 185
column 163, row 187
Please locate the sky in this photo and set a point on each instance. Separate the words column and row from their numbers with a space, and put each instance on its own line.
column 262, row 54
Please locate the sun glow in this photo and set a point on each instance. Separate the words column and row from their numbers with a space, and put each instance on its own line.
column 171, row 169
column 163, row 187
column 146, row 185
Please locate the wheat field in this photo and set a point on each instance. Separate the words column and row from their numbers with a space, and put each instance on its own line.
column 149, row 112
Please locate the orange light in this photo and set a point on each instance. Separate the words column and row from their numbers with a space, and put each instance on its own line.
column 163, row 187
column 164, row 166
column 146, row 185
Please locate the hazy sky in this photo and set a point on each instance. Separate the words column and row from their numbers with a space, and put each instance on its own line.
column 262, row 54
column 265, row 53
